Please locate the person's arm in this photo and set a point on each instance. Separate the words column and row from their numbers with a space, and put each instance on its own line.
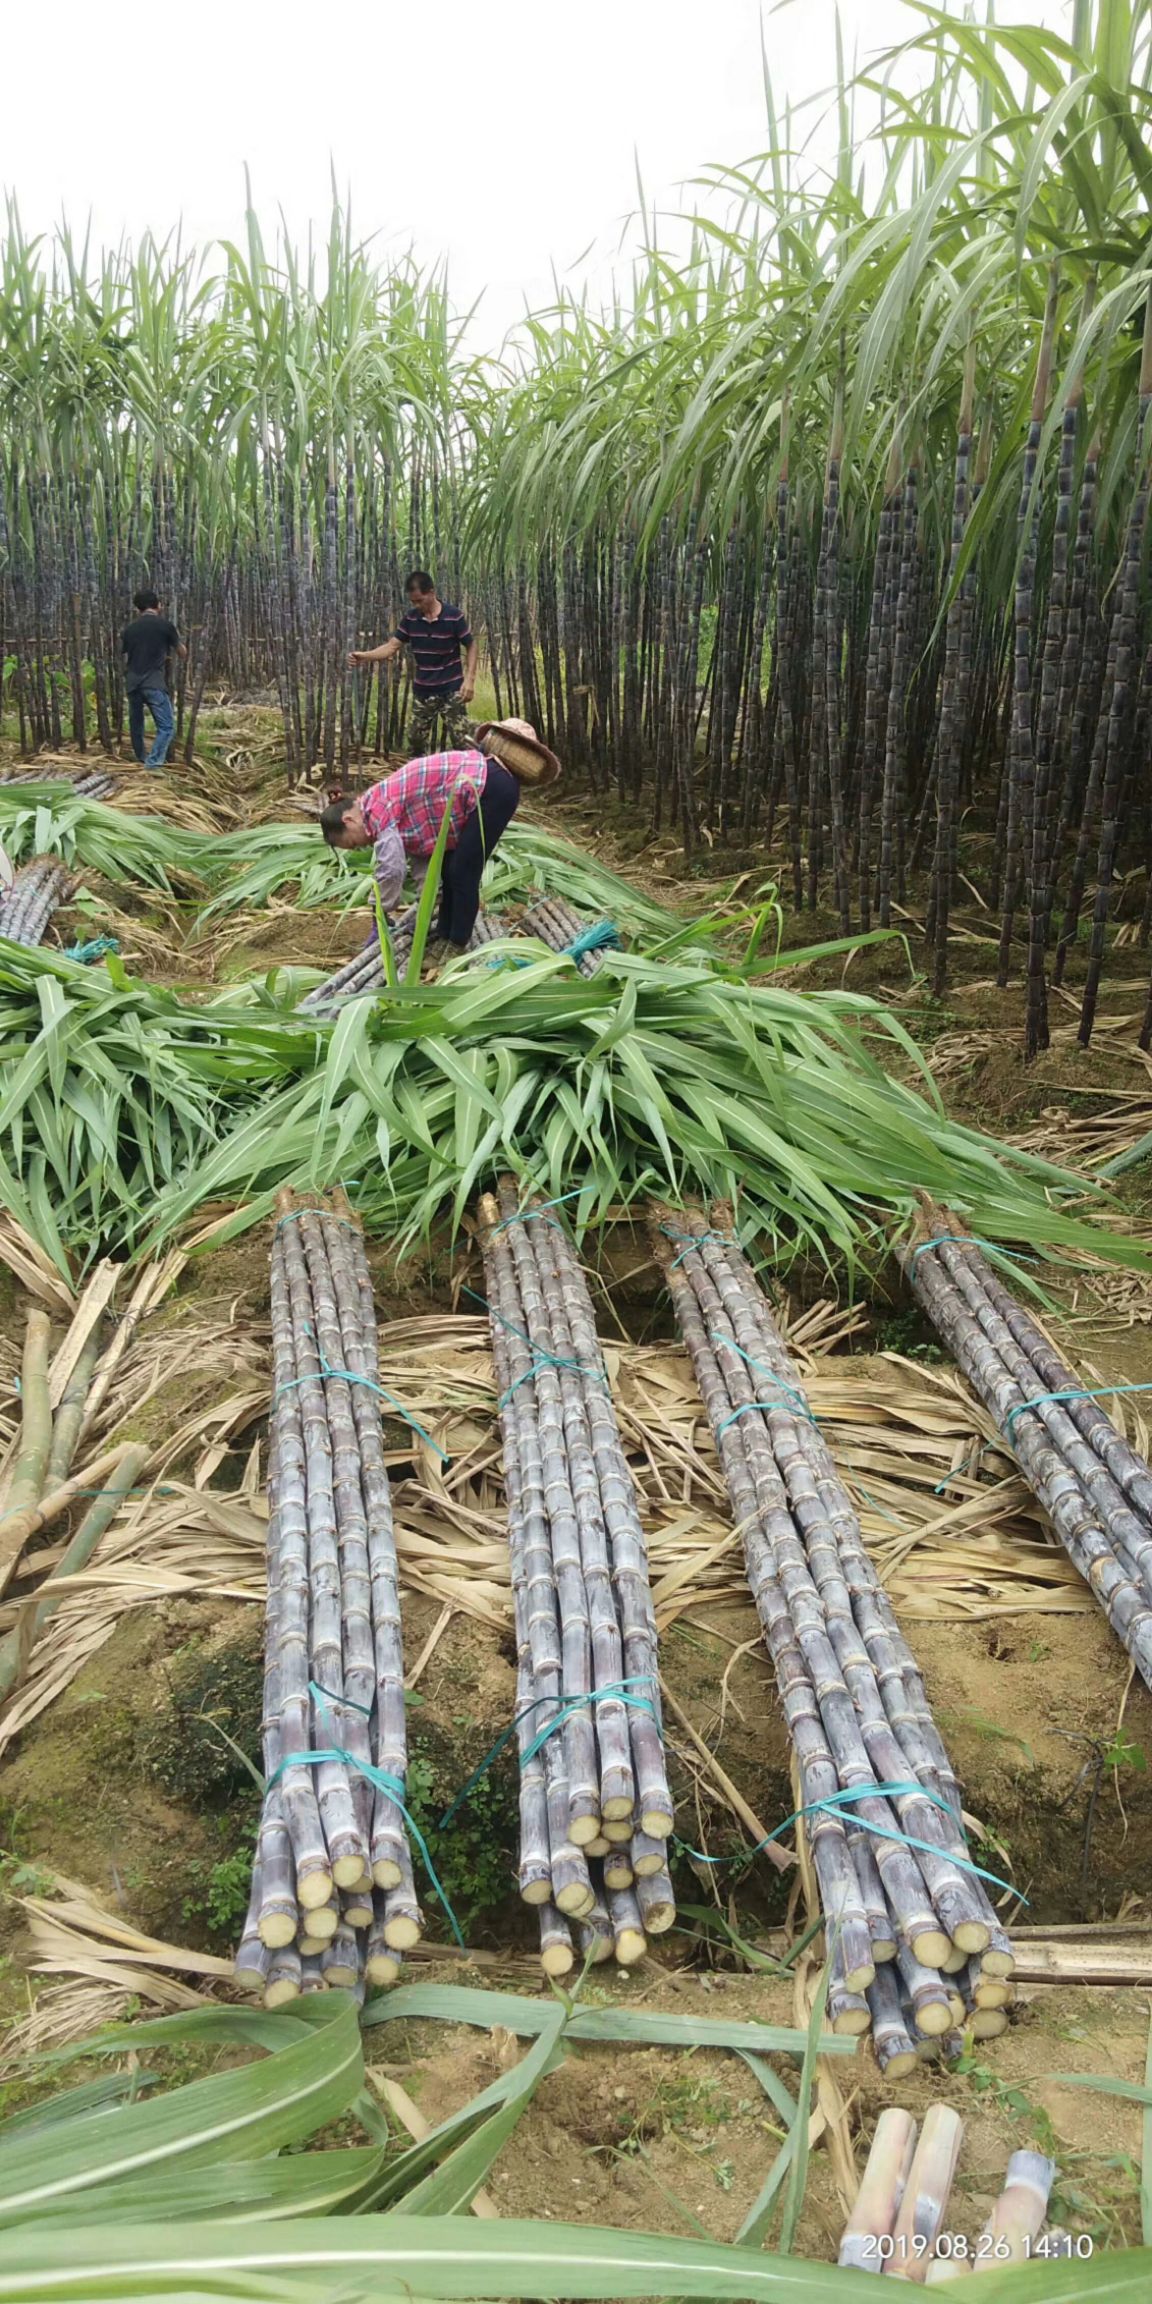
column 389, row 864
column 381, row 655
column 472, row 660
column 176, row 645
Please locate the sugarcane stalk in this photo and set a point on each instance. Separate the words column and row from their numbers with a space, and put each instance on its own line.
column 878, row 2201
column 27, row 1483
column 596, row 1936
column 70, row 1413
column 557, row 1957
column 927, row 2190
column 17, row 1645
column 1018, row 2216
column 627, row 1927
column 893, row 2043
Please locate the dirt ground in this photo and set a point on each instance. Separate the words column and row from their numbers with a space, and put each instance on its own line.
column 1050, row 1736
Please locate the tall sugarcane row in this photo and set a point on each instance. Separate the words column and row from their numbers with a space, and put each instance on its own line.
column 36, row 892
column 558, row 926
column 333, row 1902
column 595, row 1808
column 1095, row 1488
column 366, row 974
column 915, row 1948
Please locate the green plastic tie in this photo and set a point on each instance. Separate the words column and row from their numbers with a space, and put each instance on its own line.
column 614, row 1691
column 1097, row 1392
column 349, row 1376
column 837, row 1801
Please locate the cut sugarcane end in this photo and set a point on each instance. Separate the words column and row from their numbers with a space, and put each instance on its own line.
column 972, row 1936
column 278, row 1995
column 314, row 1889
column 310, row 1947
column 996, row 1963
column 348, row 1871
column 898, row 2066
column 931, row 1947
column 883, row 1950
column 616, row 1809
column 933, row 2020
column 858, row 1979
column 537, row 1892
column 583, row 1829
column 988, row 2023
column 357, row 1915
column 645, row 1866
column 339, row 1979
column 385, row 1873
column 993, row 1992
column 380, row 1968
column 575, row 1901
column 277, row 1930
column 629, row 1947
column 958, row 2010
column 617, row 1835
column 323, row 1922
column 657, row 1823
column 849, row 2024
column 598, row 1847
column 955, row 1961
column 402, row 1932
column 558, row 1960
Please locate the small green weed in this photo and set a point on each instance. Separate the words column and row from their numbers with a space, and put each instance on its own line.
column 218, row 1893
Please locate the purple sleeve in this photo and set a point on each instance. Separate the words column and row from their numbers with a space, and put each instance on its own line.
column 465, row 633
column 402, row 631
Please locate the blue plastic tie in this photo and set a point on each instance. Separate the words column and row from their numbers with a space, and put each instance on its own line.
column 694, row 1240
column 379, row 1778
column 615, row 1691
column 525, row 1215
column 762, row 1369
column 970, row 1240
column 349, row 1376
column 94, row 949
column 1099, row 1392
column 837, row 1801
column 540, row 1358
column 595, row 939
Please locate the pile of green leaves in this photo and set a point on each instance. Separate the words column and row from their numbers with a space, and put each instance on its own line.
column 123, row 1110
column 243, row 871
column 216, row 2190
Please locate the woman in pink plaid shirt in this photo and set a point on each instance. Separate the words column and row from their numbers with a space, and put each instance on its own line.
column 400, row 820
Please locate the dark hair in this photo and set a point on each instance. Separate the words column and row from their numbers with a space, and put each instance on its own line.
column 419, row 581
column 144, row 600
column 334, row 817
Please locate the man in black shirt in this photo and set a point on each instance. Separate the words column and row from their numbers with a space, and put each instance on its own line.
column 146, row 644
column 441, row 692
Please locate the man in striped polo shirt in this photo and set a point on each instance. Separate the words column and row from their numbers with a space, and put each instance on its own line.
column 441, row 692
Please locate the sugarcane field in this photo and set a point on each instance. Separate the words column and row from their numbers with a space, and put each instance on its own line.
column 576, row 1162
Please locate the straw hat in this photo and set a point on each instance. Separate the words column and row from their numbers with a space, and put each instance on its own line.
column 515, row 744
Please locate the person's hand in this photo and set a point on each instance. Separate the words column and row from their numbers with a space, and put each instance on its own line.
column 359, row 655
column 467, row 692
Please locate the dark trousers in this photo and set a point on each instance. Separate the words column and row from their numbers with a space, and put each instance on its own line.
column 464, row 864
column 159, row 704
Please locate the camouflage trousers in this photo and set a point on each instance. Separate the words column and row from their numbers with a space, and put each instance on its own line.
column 445, row 716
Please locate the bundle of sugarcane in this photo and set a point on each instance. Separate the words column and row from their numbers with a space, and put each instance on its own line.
column 1095, row 1487
column 35, row 893
column 900, row 1895
column 366, row 973
column 92, row 785
column 595, row 1808
column 333, row 1900
column 562, row 930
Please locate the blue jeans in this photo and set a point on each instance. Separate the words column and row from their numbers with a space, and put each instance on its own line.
column 159, row 704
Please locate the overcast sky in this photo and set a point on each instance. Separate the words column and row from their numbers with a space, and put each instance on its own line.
column 502, row 134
